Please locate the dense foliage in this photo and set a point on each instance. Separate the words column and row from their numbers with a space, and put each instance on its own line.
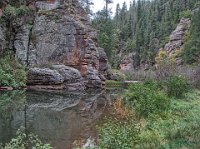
column 191, row 53
column 144, row 28
column 147, row 99
column 176, row 128
column 11, row 72
column 23, row 141
column 176, row 86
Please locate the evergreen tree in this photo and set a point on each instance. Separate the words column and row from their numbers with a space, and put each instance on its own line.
column 144, row 28
column 87, row 5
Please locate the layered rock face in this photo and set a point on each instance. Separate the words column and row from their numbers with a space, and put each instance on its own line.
column 177, row 38
column 61, row 35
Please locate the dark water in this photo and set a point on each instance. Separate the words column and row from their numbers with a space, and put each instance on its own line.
column 57, row 118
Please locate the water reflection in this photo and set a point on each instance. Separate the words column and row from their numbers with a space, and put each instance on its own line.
column 57, row 118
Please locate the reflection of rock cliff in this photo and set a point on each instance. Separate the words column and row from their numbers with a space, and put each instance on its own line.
column 61, row 34
column 59, row 118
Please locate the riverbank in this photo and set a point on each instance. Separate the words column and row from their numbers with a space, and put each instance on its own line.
column 153, row 120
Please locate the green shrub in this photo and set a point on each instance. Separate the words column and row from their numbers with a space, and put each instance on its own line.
column 186, row 14
column 178, row 128
column 12, row 73
column 23, row 141
column 11, row 12
column 117, row 135
column 146, row 99
column 176, row 86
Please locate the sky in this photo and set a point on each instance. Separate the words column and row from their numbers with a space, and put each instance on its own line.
column 99, row 4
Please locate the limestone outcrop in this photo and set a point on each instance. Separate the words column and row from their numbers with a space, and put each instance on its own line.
column 60, row 34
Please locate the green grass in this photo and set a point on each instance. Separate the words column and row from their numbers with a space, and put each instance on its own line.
column 177, row 129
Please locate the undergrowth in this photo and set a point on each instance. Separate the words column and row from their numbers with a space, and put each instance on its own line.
column 11, row 72
column 156, row 120
column 24, row 141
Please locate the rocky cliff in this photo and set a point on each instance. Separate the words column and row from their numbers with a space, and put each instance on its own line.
column 172, row 49
column 58, row 45
column 175, row 44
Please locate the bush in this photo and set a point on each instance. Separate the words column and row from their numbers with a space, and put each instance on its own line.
column 23, row 141
column 176, row 86
column 179, row 128
column 117, row 135
column 146, row 100
column 12, row 73
column 165, row 69
column 11, row 12
column 186, row 14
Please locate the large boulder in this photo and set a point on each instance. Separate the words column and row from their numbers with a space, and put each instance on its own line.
column 73, row 81
column 59, row 77
column 44, row 76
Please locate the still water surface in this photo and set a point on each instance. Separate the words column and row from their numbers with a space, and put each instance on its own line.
column 57, row 118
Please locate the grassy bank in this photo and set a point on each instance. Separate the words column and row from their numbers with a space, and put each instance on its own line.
column 164, row 115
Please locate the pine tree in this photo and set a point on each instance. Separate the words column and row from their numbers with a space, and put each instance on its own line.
column 106, row 6
column 87, row 5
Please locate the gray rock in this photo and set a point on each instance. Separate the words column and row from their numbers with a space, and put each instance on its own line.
column 44, row 76
column 177, row 36
column 73, row 81
column 2, row 40
column 93, row 78
column 21, row 44
column 63, row 38
column 61, row 34
column 70, row 75
column 44, row 5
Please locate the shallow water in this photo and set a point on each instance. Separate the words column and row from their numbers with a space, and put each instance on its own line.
column 57, row 118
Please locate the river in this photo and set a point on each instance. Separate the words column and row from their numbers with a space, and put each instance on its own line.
column 58, row 118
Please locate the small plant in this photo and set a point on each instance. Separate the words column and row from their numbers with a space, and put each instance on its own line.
column 186, row 14
column 117, row 135
column 176, row 86
column 23, row 141
column 146, row 100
